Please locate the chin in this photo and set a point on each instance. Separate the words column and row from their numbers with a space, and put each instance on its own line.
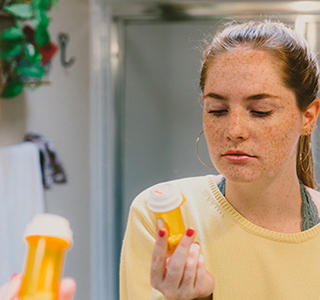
column 240, row 179
column 240, row 174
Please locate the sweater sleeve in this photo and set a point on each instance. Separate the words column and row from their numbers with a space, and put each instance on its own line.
column 136, row 253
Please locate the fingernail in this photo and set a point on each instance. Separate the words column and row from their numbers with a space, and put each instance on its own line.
column 161, row 232
column 190, row 232
column 197, row 243
column 14, row 275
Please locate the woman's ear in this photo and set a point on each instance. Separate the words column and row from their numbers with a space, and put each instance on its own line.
column 310, row 117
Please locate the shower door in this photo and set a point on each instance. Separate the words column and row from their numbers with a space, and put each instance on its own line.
column 161, row 109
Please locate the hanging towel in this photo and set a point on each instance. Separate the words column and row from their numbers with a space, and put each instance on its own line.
column 51, row 166
column 21, row 197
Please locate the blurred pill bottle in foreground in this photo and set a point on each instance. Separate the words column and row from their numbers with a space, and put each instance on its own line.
column 166, row 201
column 48, row 237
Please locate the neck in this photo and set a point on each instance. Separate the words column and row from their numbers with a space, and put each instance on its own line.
column 272, row 204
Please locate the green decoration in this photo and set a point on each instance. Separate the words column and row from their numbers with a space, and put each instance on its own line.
column 12, row 33
column 31, row 51
column 33, row 54
column 12, row 89
column 41, row 35
column 20, row 10
column 41, row 17
column 22, row 46
column 11, row 53
column 32, row 71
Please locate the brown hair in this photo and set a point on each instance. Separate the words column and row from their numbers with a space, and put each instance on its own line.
column 298, row 65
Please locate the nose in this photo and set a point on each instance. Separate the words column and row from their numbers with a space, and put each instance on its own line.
column 237, row 127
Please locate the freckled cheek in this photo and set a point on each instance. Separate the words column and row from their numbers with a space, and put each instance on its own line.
column 277, row 143
column 213, row 136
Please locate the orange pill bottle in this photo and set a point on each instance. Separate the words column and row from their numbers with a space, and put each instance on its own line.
column 48, row 237
column 166, row 201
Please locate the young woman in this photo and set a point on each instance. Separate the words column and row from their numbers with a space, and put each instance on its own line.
column 253, row 231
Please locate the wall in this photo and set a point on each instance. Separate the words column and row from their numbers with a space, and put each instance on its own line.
column 60, row 111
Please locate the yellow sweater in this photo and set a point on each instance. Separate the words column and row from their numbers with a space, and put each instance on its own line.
column 248, row 262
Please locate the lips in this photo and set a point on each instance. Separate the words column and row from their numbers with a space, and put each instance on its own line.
column 237, row 156
column 236, row 152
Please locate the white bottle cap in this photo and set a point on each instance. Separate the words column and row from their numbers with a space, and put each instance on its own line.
column 163, row 198
column 50, row 225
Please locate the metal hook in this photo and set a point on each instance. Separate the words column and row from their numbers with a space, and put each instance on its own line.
column 63, row 39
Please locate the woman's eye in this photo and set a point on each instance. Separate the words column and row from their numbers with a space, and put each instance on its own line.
column 220, row 112
column 261, row 114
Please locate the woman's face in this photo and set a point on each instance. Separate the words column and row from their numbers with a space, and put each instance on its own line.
column 251, row 120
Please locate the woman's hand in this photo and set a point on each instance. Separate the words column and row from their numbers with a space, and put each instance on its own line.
column 181, row 275
column 10, row 290
column 67, row 289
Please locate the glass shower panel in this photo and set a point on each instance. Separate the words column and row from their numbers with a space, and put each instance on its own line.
column 162, row 113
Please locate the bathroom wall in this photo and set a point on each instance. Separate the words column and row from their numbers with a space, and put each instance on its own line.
column 59, row 110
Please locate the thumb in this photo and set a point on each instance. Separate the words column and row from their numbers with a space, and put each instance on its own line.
column 67, row 289
column 11, row 289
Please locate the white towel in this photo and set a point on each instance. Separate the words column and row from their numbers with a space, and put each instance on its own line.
column 21, row 197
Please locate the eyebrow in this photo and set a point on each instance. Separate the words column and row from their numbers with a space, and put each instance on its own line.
column 253, row 97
